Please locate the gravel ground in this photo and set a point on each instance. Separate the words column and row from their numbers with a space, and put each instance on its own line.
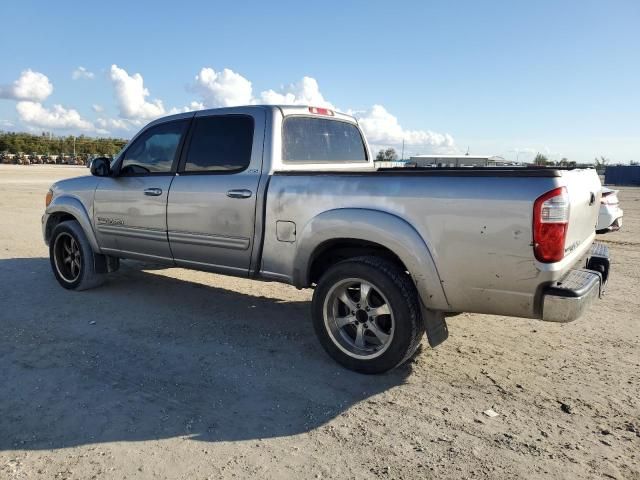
column 170, row 373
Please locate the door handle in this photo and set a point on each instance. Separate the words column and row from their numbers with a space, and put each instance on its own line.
column 153, row 192
column 239, row 193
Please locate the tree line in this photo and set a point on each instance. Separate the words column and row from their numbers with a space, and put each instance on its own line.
column 46, row 144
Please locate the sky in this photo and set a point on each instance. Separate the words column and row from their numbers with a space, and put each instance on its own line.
column 509, row 78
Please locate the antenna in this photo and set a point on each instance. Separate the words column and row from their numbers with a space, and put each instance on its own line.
column 467, row 154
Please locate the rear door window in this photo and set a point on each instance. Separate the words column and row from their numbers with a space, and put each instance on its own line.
column 220, row 144
column 320, row 140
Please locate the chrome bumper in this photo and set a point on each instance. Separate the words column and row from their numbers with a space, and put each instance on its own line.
column 567, row 299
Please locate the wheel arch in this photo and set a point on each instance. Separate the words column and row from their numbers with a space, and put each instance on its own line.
column 65, row 208
column 336, row 250
column 338, row 234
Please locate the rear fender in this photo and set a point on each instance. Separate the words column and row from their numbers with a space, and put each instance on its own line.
column 385, row 229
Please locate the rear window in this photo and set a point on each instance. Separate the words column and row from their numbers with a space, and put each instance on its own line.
column 319, row 140
column 220, row 144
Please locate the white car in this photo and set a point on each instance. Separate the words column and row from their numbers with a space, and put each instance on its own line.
column 610, row 215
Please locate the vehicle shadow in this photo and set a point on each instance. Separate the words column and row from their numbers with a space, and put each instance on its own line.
column 148, row 356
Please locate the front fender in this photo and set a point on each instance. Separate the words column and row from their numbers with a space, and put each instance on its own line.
column 383, row 228
column 74, row 207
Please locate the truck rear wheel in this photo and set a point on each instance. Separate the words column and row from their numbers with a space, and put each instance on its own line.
column 366, row 314
column 72, row 258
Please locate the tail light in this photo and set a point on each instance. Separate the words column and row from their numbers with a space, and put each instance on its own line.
column 321, row 111
column 550, row 223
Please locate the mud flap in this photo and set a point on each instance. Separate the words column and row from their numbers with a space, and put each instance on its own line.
column 435, row 326
column 105, row 263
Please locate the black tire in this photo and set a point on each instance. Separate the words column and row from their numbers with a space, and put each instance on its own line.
column 85, row 277
column 393, row 283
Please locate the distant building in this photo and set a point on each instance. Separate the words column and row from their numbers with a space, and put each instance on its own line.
column 392, row 164
column 455, row 161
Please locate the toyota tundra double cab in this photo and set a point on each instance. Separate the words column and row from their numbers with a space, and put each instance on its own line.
column 291, row 194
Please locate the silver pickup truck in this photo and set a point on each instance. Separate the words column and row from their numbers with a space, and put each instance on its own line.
column 291, row 194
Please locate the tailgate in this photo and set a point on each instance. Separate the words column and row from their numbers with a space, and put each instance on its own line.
column 584, row 188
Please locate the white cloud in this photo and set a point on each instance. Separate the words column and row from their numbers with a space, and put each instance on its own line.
column 58, row 117
column 82, row 73
column 115, row 124
column 188, row 108
column 30, row 89
column 222, row 89
column 31, row 85
column 131, row 96
column 195, row 106
column 6, row 124
column 229, row 88
column 383, row 129
column 304, row 92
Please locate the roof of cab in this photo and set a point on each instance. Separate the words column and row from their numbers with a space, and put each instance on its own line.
column 284, row 109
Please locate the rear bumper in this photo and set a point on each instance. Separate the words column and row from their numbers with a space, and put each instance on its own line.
column 568, row 298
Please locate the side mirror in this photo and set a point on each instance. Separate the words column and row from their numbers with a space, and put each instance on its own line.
column 100, row 167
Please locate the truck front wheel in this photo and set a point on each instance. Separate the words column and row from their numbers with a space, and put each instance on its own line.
column 72, row 258
column 366, row 314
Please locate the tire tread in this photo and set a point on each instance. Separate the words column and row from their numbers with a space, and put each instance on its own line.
column 408, row 289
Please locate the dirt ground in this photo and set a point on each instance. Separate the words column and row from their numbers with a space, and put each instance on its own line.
column 170, row 373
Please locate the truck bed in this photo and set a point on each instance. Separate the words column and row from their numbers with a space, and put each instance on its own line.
column 476, row 224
